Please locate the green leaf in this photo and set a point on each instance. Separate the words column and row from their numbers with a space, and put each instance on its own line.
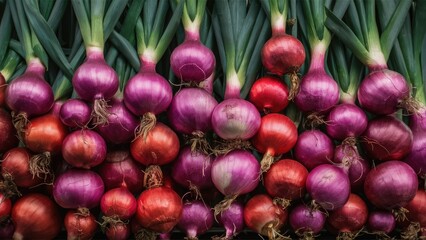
column 57, row 13
column 83, row 20
column 340, row 8
column 45, row 7
column 5, row 31
column 219, row 40
column 238, row 9
column 419, row 30
column 17, row 47
column 112, row 16
column 310, row 30
column 97, row 12
column 159, row 24
column 362, row 19
column 148, row 17
column 226, row 27
column 126, row 48
column 317, row 8
column 41, row 54
column 244, row 35
column 353, row 21
column 129, row 23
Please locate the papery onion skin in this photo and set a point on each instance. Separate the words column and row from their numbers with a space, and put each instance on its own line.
column 381, row 91
column 286, row 179
column 160, row 147
column 118, row 202
column 329, row 186
column 380, row 221
column 191, row 110
column 84, row 148
column 269, row 94
column 197, row 218
column 417, row 208
column 16, row 162
column 235, row 119
column 80, row 226
column 303, row 219
column 35, row 216
column 118, row 231
column 75, row 113
column 8, row 137
column 313, row 148
column 382, row 181
column 78, row 188
column 346, row 120
column 5, row 207
column 232, row 219
column 387, row 138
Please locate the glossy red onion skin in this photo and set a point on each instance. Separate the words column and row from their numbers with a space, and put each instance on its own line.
column 417, row 208
column 5, row 207
column 118, row 202
column 387, row 138
column 282, row 54
column 191, row 61
column 79, row 226
column 77, row 188
column 381, row 182
column 269, row 94
column 16, row 162
column 95, row 79
column 232, row 219
column 286, row 179
column 8, row 137
column 277, row 135
column 237, row 172
column 192, row 168
column 380, row 221
column 75, row 113
column 121, row 125
column 84, row 149
column 30, row 93
column 2, row 90
column 197, row 218
column 346, row 120
column 118, row 231
column 191, row 110
column 120, row 170
column 313, row 148
column 302, row 219
column 235, row 119
column 329, row 186
column 381, row 91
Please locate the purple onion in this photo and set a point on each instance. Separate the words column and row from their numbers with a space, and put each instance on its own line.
column 7, row 228
column 191, row 61
column 192, row 169
column 78, row 188
column 381, row 91
column 305, row 219
column 346, row 120
column 235, row 119
column 381, row 222
column 196, row 219
column 75, row 113
column 191, row 110
column 313, row 148
column 387, row 138
column 232, row 219
column 329, row 186
column 417, row 156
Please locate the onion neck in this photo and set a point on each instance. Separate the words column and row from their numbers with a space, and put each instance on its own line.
column 318, row 57
column 233, row 86
column 94, row 53
column 35, row 66
column 278, row 25
column 147, row 64
column 192, row 34
column 376, row 60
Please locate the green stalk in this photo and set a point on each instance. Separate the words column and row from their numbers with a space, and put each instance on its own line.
column 83, row 21
column 193, row 13
column 5, row 31
column 25, row 36
column 278, row 16
column 11, row 61
column 97, row 9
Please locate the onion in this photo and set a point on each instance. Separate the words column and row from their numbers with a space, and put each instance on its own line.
column 196, row 219
column 2, row 90
column 417, row 208
column 329, row 186
column 382, row 91
column 7, row 229
column 263, row 216
column 120, row 170
column 161, row 146
column 346, row 120
column 75, row 113
column 306, row 221
column 232, row 219
column 80, row 225
column 387, row 138
column 350, row 218
column 35, row 216
column 313, row 148
column 118, row 203
column 417, row 156
column 8, row 137
column 5, row 207
column 269, row 94
column 118, row 231
column 78, row 188
column 381, row 222
column 84, row 149
column 382, row 182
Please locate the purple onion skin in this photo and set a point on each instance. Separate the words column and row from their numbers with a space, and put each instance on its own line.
column 417, row 157
column 313, row 148
column 191, row 110
column 237, row 172
column 77, row 188
column 232, row 219
column 305, row 219
column 121, row 125
column 7, row 228
column 192, row 168
column 95, row 79
column 196, row 219
column 329, row 186
column 391, row 185
column 191, row 61
column 381, row 91
column 346, row 120
column 75, row 113
column 387, row 138
column 29, row 93
column 235, row 119
column 380, row 221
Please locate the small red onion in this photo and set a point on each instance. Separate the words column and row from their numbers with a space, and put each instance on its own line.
column 417, row 208
column 306, row 220
column 118, row 231
column 313, row 148
column 346, row 120
column 80, row 225
column 269, row 94
column 7, row 229
column 381, row 222
column 75, row 113
column 232, row 219
column 5, row 207
column 8, row 134
column 196, row 219
column 118, row 202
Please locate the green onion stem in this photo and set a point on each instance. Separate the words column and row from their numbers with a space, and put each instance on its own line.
column 192, row 24
column 83, row 21
column 97, row 9
column 12, row 60
column 278, row 17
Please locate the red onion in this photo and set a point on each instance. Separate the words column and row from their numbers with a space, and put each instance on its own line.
column 196, row 219
column 232, row 219
column 277, row 135
column 381, row 222
column 118, row 231
column 118, row 202
column 313, row 148
column 120, row 170
column 80, row 225
column 382, row 182
column 78, row 188
column 387, row 138
column 75, row 113
column 269, row 94
column 7, row 229
column 329, row 186
column 417, row 208
column 346, row 120
column 8, row 137
column 381, row 91
column 5, row 207
column 306, row 221
column 84, row 149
